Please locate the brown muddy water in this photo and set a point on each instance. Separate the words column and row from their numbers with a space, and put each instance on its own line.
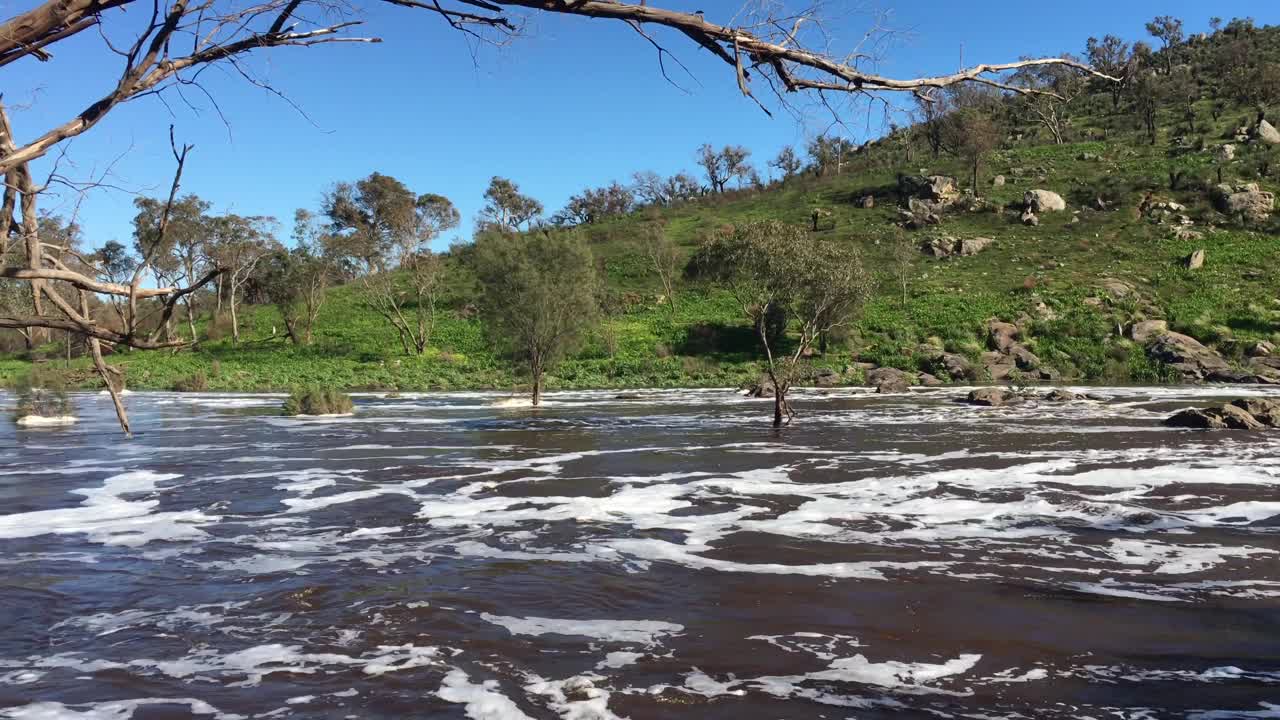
column 662, row 556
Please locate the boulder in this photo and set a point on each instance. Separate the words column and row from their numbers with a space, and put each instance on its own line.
column 1186, row 355
column 1267, row 133
column 1142, row 332
column 998, row 366
column 1262, row 348
column 1225, row 153
column 1030, row 218
column 973, row 246
column 1060, row 395
column 1024, row 358
column 867, row 202
column 1264, row 411
column 1001, row 335
column 940, row 189
column 889, row 380
column 928, row 380
column 1248, row 201
column 998, row 181
column 1265, row 369
column 1238, row 418
column 952, row 365
column 990, row 397
column 1088, row 157
column 1196, row 418
column 1195, row 260
column 763, row 387
column 826, row 377
column 1040, row 201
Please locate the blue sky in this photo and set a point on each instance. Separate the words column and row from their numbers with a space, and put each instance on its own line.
column 576, row 103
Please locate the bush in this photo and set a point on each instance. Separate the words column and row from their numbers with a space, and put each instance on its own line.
column 41, row 394
column 195, row 382
column 317, row 401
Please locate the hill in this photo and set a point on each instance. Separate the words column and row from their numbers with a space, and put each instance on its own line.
column 1081, row 288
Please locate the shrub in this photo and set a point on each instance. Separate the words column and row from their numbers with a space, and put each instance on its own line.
column 317, row 401
column 41, row 394
column 195, row 382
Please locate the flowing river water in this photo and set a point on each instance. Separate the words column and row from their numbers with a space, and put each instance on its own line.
column 660, row 555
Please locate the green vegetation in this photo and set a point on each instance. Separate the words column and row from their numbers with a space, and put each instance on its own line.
column 42, row 394
column 360, row 303
column 315, row 400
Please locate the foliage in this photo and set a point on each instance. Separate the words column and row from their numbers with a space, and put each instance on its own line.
column 316, row 400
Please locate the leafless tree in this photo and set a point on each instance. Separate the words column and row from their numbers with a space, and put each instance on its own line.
column 664, row 256
column 240, row 244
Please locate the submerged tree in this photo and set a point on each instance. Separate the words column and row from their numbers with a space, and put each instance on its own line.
column 774, row 269
column 538, row 296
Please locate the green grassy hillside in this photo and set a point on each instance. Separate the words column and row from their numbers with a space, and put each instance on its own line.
column 1076, row 280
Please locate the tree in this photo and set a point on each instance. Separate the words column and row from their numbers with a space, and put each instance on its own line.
column 973, row 129
column 407, row 298
column 239, row 244
column 786, row 162
column 368, row 218
column 505, row 208
column 1052, row 105
column 776, row 269
column 1146, row 91
column 1168, row 30
column 595, row 204
column 1111, row 56
column 653, row 189
column 297, row 283
column 539, row 296
column 180, row 254
column 664, row 256
column 712, row 163
column 904, row 258
column 827, row 153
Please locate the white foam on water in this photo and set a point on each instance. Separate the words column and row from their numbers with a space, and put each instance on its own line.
column 114, row 710
column 575, row 698
column 39, row 421
column 619, row 659
column 482, row 701
column 644, row 632
column 106, row 518
column 1269, row 710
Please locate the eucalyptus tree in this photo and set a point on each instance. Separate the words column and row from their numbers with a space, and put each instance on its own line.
column 538, row 296
column 240, row 244
column 779, row 270
column 506, row 208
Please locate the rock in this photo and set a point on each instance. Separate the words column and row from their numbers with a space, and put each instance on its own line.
column 1024, row 358
column 1266, row 369
column 1198, row 419
column 1030, row 218
column 952, row 365
column 938, row 247
column 763, row 387
column 1142, row 332
column 940, row 189
column 1195, row 260
column 1231, row 376
column 1117, row 289
column 826, row 377
column 626, row 396
column 990, row 397
column 1225, row 153
column 1099, row 204
column 1266, row 412
column 889, row 380
column 1060, row 395
column 867, row 202
column 928, row 380
column 1186, row 355
column 1001, row 335
column 1087, row 157
column 1261, row 348
column 1182, row 232
column 973, row 246
column 998, row 366
column 1267, row 133
column 1237, row 418
column 998, row 181
column 1248, row 201
column 1039, row 201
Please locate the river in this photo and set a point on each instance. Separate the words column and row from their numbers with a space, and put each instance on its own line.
column 665, row 554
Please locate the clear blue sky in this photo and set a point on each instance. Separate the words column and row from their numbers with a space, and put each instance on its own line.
column 576, row 103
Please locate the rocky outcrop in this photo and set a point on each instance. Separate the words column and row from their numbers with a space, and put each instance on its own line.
column 1244, row 414
column 938, row 362
column 1042, row 201
column 1060, row 395
column 1002, row 336
column 1247, row 201
column 826, row 377
column 940, row 190
column 889, row 380
column 1192, row 360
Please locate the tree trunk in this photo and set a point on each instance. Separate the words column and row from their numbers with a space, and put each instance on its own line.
column 235, row 323
column 536, row 371
column 191, row 318
column 105, row 373
column 779, row 402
